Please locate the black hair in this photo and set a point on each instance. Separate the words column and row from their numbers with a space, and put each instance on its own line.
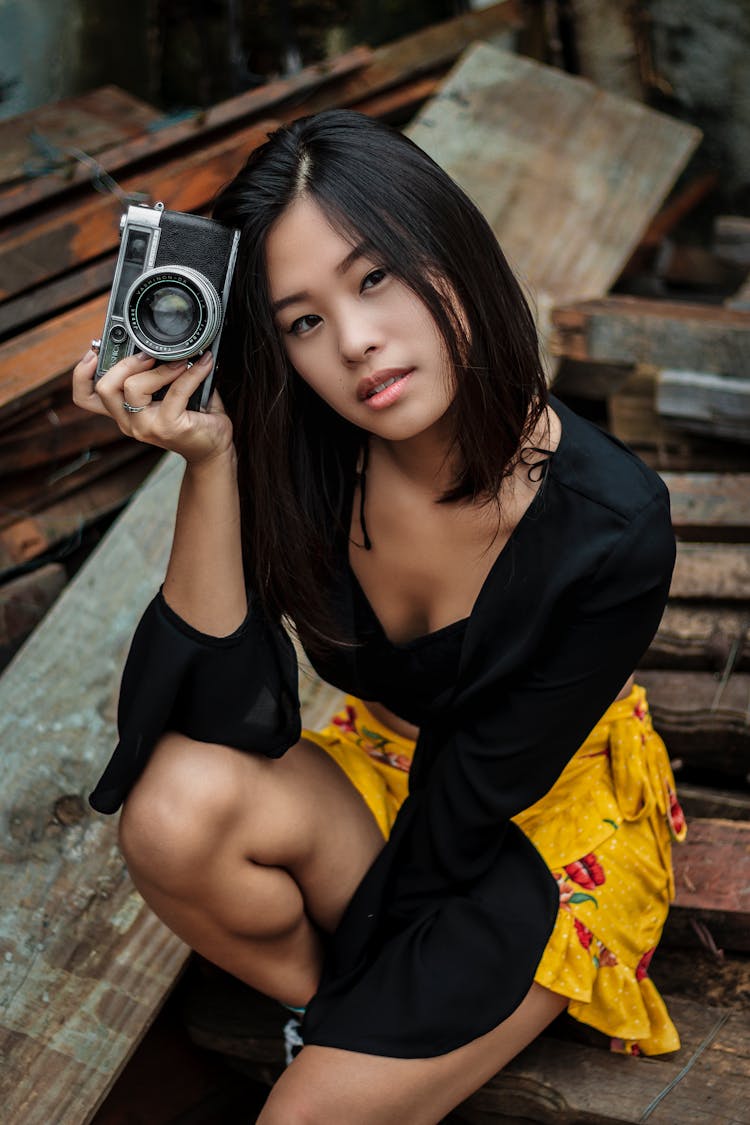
column 296, row 455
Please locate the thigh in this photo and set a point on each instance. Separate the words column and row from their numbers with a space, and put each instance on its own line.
column 328, row 1086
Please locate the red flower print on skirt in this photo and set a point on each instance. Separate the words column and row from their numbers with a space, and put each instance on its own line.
column 641, row 970
column 348, row 721
column 585, row 935
column 587, row 872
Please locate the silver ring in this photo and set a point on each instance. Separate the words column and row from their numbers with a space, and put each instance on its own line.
column 133, row 409
column 95, row 346
column 190, row 363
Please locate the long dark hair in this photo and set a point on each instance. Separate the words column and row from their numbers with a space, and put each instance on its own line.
column 297, row 456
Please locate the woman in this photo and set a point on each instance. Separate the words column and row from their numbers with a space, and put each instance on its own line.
column 479, row 564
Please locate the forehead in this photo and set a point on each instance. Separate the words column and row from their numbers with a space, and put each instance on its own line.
column 301, row 247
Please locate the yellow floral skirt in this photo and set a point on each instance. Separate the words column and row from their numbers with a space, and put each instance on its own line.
column 605, row 830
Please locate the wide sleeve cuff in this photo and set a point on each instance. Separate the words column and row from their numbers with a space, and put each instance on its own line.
column 239, row 691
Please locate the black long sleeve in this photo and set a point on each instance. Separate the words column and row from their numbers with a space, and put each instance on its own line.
column 239, row 690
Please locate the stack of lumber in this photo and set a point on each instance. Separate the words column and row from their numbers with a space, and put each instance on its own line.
column 572, row 180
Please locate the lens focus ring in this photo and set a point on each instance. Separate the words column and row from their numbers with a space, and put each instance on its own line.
column 172, row 311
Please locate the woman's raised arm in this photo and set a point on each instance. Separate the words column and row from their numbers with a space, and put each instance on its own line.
column 204, row 583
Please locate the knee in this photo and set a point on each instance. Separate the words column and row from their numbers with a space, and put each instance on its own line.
column 181, row 807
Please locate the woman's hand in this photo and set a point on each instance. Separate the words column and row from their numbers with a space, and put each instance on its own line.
column 167, row 423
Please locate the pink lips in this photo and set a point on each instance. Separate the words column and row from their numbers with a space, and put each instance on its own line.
column 389, row 394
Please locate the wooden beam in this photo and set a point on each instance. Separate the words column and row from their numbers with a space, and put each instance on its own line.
column 233, row 113
column 701, row 636
column 85, row 964
column 663, row 333
column 70, row 235
column 707, row 570
column 710, row 505
column 703, row 721
column 712, row 884
column 703, row 403
column 23, row 604
column 31, row 536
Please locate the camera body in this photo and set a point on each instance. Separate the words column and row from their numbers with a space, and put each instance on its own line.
column 170, row 290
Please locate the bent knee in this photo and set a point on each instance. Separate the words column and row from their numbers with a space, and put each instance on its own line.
column 183, row 805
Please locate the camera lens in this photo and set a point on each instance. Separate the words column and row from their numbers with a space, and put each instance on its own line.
column 169, row 313
column 172, row 311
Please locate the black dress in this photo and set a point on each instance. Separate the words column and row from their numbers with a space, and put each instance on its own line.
column 441, row 939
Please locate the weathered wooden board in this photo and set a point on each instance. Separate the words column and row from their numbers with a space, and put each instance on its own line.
column 710, row 505
column 70, row 235
column 712, row 884
column 568, row 175
column 235, row 112
column 704, row 403
column 663, row 333
column 31, row 536
column 34, row 490
column 703, row 721
column 723, row 804
column 91, row 122
column 84, row 965
column 24, row 602
column 701, row 636
column 54, row 436
column 712, row 570
column 555, row 1081
column 560, row 1083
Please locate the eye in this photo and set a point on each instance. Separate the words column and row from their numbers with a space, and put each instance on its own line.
column 374, row 277
column 302, row 325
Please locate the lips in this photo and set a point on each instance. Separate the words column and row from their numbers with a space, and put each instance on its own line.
column 371, row 384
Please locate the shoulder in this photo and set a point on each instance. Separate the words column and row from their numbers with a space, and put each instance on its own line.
column 604, row 473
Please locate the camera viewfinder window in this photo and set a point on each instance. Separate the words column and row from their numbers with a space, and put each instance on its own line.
column 133, row 263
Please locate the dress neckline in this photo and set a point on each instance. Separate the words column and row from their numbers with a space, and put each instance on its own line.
column 526, row 518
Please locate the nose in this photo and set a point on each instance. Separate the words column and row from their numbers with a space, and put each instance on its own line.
column 359, row 337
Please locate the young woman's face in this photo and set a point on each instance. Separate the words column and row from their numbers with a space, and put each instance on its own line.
column 357, row 335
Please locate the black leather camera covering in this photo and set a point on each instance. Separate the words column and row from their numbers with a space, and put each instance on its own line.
column 190, row 240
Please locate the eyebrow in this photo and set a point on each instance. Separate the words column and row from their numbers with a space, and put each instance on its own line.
column 359, row 251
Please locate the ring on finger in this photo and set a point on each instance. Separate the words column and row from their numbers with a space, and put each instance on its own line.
column 133, row 409
column 190, row 363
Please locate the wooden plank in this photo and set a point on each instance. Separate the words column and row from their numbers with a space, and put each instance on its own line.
column 569, row 1083
column 662, row 333
column 710, row 505
column 712, row 883
column 36, row 489
column 53, row 436
column 232, row 113
column 85, row 964
column 704, row 403
column 23, row 604
column 701, row 636
column 92, row 122
column 55, row 296
column 555, row 1080
column 68, row 236
column 707, row 570
column 31, row 536
column 568, row 176
column 721, row 804
column 703, row 721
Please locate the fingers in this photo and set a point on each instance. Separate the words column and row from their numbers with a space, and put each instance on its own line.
column 176, row 399
column 84, row 394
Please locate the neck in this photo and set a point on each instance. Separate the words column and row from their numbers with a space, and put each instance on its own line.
column 424, row 461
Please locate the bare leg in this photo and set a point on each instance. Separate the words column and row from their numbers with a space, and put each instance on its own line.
column 327, row 1086
column 249, row 860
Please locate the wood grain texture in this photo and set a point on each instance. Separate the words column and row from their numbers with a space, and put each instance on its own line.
column 712, row 570
column 69, row 236
column 701, row 636
column 568, row 176
column 693, row 337
column 94, row 121
column 84, row 964
column 710, row 505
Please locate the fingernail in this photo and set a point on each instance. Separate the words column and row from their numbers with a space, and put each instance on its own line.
column 176, row 365
column 205, row 359
column 89, row 355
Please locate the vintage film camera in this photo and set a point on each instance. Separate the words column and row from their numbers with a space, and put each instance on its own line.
column 170, row 291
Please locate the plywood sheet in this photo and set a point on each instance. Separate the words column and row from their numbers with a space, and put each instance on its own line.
column 568, row 175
